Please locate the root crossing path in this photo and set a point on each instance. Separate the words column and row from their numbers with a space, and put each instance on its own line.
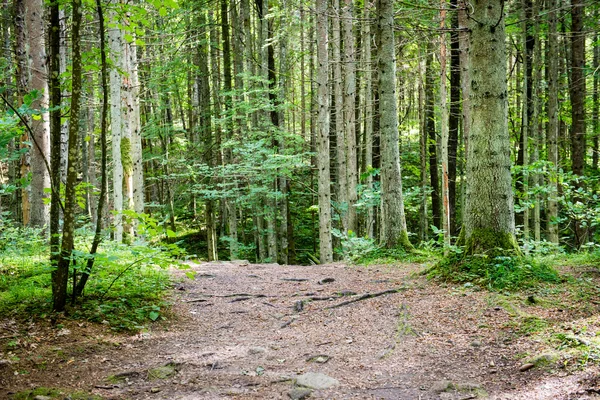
column 265, row 331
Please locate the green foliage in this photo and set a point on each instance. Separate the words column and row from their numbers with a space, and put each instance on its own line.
column 126, row 289
column 500, row 272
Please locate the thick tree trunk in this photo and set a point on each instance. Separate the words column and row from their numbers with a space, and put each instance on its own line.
column 392, row 210
column 325, row 243
column 489, row 217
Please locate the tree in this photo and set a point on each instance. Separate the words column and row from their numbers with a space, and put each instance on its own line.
column 489, row 218
column 325, row 242
column 392, row 201
column 68, row 232
column 40, row 175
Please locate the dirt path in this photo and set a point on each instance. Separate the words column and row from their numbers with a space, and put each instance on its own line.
column 247, row 331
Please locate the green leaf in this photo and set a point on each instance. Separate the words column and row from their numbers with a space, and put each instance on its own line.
column 171, row 234
column 162, row 12
column 153, row 315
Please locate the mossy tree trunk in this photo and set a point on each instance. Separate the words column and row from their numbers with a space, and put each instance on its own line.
column 489, row 218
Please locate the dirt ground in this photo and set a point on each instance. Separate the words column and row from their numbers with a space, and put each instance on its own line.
column 246, row 331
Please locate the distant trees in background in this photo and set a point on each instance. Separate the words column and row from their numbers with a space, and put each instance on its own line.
column 285, row 131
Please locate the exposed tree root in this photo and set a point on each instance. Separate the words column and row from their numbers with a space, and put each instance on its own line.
column 367, row 296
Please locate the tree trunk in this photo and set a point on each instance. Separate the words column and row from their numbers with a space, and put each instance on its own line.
column 552, row 132
column 578, row 95
column 392, row 210
column 350, row 115
column 115, row 47
column 341, row 159
column 429, row 116
column 368, row 101
column 325, row 243
column 70, row 201
column 59, row 276
column 22, row 77
column 454, row 117
column 489, row 218
column 445, row 133
column 40, row 176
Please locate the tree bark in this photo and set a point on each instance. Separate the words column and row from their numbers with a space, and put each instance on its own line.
column 325, row 242
column 489, row 217
column 115, row 47
column 392, row 211
column 436, row 207
column 40, row 176
column 70, row 201
column 350, row 114
column 552, row 127
column 577, row 94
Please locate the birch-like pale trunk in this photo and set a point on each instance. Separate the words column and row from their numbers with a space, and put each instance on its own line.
column 325, row 242
column 126, row 137
column 115, row 50
column 38, row 80
column 445, row 131
column 135, row 127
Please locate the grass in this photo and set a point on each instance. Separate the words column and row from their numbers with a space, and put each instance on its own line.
column 126, row 290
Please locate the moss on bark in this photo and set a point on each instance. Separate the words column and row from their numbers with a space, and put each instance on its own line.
column 491, row 242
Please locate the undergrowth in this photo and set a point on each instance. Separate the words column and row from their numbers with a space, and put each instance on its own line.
column 501, row 272
column 126, row 290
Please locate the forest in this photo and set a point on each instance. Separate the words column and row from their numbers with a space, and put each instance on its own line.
column 151, row 146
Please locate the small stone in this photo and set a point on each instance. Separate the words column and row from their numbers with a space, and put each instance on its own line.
column 316, row 380
column 526, row 367
column 298, row 306
column 299, row 393
column 40, row 397
column 476, row 343
column 257, row 350
column 154, row 390
column 319, row 358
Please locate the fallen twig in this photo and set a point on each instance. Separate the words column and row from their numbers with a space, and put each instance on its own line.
column 366, row 296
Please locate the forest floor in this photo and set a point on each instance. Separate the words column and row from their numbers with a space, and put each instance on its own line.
column 261, row 331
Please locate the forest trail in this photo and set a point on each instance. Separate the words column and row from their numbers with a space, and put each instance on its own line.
column 247, row 331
